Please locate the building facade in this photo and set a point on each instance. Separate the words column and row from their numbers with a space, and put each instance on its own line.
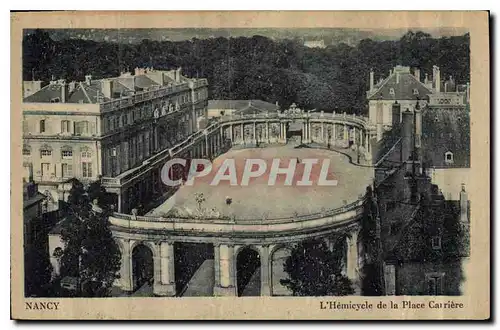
column 406, row 88
column 106, row 127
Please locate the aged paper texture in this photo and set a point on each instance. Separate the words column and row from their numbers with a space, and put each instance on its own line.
column 250, row 165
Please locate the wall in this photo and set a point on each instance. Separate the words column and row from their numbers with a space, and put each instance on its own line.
column 387, row 109
column 411, row 277
column 449, row 181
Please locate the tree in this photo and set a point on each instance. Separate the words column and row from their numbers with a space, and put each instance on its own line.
column 90, row 252
column 314, row 270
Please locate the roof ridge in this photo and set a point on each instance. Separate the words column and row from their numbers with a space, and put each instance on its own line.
column 381, row 85
column 421, row 83
column 85, row 92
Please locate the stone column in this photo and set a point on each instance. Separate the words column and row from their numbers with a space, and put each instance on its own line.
column 217, row 265
column 322, row 132
column 226, row 271
column 254, row 132
column 265, row 278
column 242, row 134
column 346, row 133
column 354, row 133
column 334, row 135
column 126, row 281
column 205, row 153
column 352, row 256
column 231, row 133
column 164, row 284
column 284, row 132
column 267, row 132
column 308, row 133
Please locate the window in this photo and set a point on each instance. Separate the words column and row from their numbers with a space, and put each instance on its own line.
column 124, row 120
column 436, row 242
column 82, row 127
column 86, row 153
column 65, row 126
column 117, row 122
column 391, row 91
column 45, row 169
column 434, row 284
column 87, row 170
column 26, row 151
column 448, row 157
column 45, row 152
column 67, row 170
column 415, row 91
column 42, row 126
column 67, row 154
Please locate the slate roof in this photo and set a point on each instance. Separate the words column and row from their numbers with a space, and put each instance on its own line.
column 81, row 94
column 403, row 90
column 446, row 130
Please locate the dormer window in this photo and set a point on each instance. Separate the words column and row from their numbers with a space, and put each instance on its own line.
column 55, row 100
column 448, row 157
column 415, row 91
column 436, row 242
column 391, row 91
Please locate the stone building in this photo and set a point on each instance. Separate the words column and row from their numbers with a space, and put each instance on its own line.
column 407, row 88
column 106, row 127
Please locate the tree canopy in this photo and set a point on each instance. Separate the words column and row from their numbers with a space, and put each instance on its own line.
column 330, row 79
column 90, row 252
column 315, row 270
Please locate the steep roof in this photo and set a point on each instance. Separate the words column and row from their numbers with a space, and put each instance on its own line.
column 446, row 130
column 403, row 87
column 82, row 93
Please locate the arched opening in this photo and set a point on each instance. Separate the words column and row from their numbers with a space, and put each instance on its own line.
column 248, row 272
column 278, row 273
column 142, row 266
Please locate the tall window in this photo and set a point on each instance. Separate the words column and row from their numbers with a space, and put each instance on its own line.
column 65, row 126
column 86, row 169
column 82, row 127
column 391, row 91
column 67, row 170
column 45, row 169
column 434, row 284
column 42, row 126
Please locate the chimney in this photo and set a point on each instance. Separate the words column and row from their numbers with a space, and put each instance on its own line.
column 64, row 91
column 372, row 79
column 72, row 86
column 426, row 80
column 107, row 88
column 88, row 79
column 407, row 135
column 436, row 76
column 464, row 205
column 418, row 129
column 178, row 74
column 396, row 114
column 417, row 74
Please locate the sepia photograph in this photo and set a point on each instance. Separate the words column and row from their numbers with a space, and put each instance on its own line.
column 236, row 162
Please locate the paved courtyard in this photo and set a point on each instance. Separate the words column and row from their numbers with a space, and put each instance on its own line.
column 259, row 200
